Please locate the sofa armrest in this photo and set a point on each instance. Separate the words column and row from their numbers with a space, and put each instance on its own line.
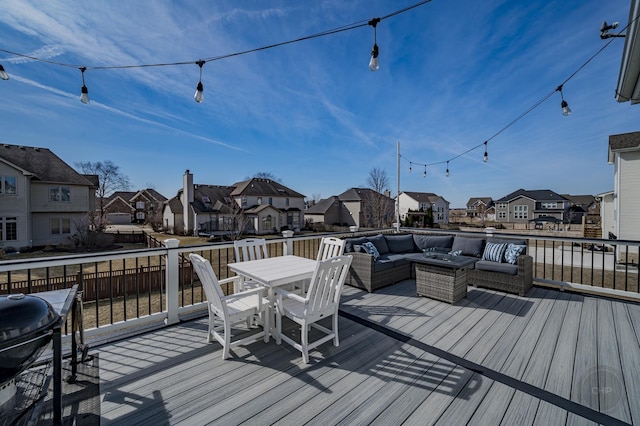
column 525, row 269
column 361, row 261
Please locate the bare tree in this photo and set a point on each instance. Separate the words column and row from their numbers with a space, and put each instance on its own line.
column 111, row 180
column 235, row 222
column 378, row 207
column 378, row 180
column 267, row 175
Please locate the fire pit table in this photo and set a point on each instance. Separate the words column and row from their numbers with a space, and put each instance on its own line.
column 442, row 276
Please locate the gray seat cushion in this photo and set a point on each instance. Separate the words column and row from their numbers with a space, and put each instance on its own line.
column 468, row 246
column 505, row 268
column 382, row 265
column 443, row 242
column 397, row 259
column 400, row 243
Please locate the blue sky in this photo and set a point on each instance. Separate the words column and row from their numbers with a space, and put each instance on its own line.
column 453, row 74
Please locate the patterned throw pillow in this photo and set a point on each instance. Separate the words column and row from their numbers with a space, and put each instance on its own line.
column 494, row 252
column 512, row 253
column 370, row 248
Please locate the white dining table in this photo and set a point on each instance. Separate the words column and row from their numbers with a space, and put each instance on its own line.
column 273, row 272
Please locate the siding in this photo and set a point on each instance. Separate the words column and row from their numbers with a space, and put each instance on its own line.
column 629, row 195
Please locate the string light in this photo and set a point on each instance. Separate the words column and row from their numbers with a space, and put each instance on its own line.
column 485, row 158
column 564, row 105
column 84, row 92
column 447, row 168
column 425, row 171
column 374, row 64
column 199, row 95
column 3, row 73
column 409, row 166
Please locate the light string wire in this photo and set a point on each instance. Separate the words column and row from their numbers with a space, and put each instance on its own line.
column 337, row 30
column 526, row 112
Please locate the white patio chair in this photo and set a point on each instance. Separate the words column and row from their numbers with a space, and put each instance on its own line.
column 249, row 249
column 330, row 247
column 231, row 309
column 321, row 301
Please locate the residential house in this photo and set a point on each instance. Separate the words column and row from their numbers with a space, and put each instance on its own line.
column 524, row 206
column 124, row 207
column 419, row 204
column 325, row 211
column 482, row 207
column 43, row 200
column 259, row 206
column 624, row 154
column 607, row 214
column 628, row 88
column 364, row 207
column 581, row 207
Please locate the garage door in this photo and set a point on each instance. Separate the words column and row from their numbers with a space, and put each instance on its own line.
column 119, row 218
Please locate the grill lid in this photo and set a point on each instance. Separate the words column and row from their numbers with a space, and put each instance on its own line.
column 22, row 315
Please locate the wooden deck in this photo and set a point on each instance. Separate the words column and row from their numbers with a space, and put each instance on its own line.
column 492, row 358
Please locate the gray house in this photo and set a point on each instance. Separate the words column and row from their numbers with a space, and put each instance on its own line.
column 42, row 199
column 524, row 206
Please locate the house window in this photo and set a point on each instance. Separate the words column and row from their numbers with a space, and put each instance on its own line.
column 270, row 201
column 502, row 215
column 140, row 205
column 287, row 202
column 244, row 201
column 59, row 193
column 267, row 222
column 293, row 219
column 501, row 205
column 550, row 205
column 60, row 226
column 259, row 200
column 8, row 185
column 8, row 228
column 521, row 212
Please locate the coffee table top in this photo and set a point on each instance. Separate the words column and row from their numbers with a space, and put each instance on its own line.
column 443, row 259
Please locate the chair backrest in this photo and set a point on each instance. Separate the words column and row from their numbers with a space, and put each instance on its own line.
column 330, row 247
column 209, row 281
column 250, row 249
column 326, row 286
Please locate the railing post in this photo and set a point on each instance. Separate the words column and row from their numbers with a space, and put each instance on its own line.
column 287, row 245
column 172, row 280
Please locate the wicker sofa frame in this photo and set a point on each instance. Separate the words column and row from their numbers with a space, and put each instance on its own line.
column 363, row 275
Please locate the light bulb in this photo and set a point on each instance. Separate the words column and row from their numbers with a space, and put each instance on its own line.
column 3, row 73
column 565, row 108
column 199, row 95
column 374, row 64
column 447, row 172
column 486, row 157
column 84, row 96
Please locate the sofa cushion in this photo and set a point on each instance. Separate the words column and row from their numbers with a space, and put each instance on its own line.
column 400, row 243
column 425, row 241
column 512, row 253
column 468, row 246
column 380, row 242
column 397, row 259
column 350, row 242
column 505, row 268
column 494, row 252
column 370, row 248
column 382, row 266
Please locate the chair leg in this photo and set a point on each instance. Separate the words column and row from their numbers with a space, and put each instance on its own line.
column 304, row 339
column 278, row 326
column 335, row 330
column 211, row 328
column 265, row 325
column 227, row 340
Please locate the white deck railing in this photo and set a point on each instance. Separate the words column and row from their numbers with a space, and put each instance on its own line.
column 127, row 290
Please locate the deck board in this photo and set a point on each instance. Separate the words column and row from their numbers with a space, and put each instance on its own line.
column 549, row 339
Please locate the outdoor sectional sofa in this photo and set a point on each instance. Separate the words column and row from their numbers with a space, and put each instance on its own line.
column 393, row 264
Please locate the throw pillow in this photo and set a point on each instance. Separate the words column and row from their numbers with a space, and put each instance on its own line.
column 468, row 246
column 370, row 248
column 358, row 248
column 494, row 252
column 512, row 253
column 380, row 242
